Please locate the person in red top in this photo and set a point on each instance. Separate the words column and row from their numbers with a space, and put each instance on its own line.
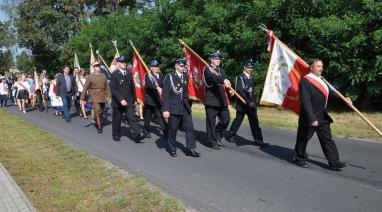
column 314, row 94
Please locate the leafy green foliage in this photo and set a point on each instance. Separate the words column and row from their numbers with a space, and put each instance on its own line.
column 347, row 35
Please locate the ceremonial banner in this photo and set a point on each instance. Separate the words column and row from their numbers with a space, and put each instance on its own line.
column 36, row 82
column 92, row 59
column 113, row 65
column 76, row 63
column 104, row 70
column 195, row 67
column 284, row 73
column 139, row 72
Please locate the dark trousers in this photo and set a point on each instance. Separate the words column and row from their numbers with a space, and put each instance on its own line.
column 38, row 100
column 3, row 100
column 305, row 133
column 148, row 111
column 128, row 112
column 173, row 124
column 67, row 102
column 215, row 132
column 253, row 123
column 77, row 103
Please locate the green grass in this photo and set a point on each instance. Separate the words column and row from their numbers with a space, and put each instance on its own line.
column 57, row 177
column 346, row 124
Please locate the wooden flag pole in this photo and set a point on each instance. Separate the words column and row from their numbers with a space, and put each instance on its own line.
column 213, row 71
column 352, row 107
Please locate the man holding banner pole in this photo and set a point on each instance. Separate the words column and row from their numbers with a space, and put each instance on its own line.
column 216, row 100
column 244, row 85
column 313, row 118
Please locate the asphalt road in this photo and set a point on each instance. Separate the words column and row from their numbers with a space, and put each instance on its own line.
column 240, row 177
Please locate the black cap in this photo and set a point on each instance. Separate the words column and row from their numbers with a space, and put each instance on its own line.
column 249, row 63
column 216, row 55
column 181, row 61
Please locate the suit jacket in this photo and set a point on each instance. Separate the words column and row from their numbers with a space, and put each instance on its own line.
column 122, row 88
column 313, row 104
column 61, row 86
column 152, row 97
column 176, row 104
column 98, row 88
column 245, row 88
column 215, row 92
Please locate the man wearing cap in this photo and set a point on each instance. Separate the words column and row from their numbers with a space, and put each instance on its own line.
column 216, row 100
column 244, row 86
column 176, row 108
column 99, row 90
column 313, row 118
column 153, row 98
column 123, row 100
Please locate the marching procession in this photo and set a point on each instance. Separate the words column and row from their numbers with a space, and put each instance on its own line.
column 166, row 98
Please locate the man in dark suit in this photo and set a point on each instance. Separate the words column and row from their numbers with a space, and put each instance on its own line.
column 244, row 86
column 123, row 100
column 153, row 98
column 314, row 94
column 216, row 100
column 176, row 108
column 66, row 88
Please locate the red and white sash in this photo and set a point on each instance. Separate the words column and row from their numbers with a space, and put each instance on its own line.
column 319, row 84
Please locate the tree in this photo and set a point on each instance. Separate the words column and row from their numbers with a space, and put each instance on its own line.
column 6, row 61
column 24, row 62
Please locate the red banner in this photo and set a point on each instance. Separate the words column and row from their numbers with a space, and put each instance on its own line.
column 139, row 77
column 195, row 68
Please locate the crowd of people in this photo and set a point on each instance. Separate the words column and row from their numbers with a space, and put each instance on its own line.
column 166, row 98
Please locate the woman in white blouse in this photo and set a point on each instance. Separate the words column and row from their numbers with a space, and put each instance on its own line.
column 23, row 93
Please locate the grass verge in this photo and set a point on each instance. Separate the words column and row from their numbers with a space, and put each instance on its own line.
column 57, row 177
column 346, row 124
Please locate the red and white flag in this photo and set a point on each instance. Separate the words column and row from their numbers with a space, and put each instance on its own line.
column 139, row 72
column 285, row 70
column 195, row 67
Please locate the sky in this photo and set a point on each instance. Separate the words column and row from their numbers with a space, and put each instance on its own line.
column 3, row 16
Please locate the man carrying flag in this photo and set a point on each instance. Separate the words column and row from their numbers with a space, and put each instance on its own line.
column 245, row 86
column 153, row 98
column 216, row 100
column 314, row 94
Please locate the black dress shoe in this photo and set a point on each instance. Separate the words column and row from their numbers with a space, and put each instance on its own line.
column 336, row 166
column 301, row 163
column 260, row 143
column 215, row 147
column 147, row 135
column 219, row 142
column 231, row 138
column 173, row 154
column 99, row 129
column 116, row 139
column 138, row 139
column 193, row 153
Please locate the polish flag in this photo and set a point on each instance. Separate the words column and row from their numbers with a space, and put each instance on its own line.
column 285, row 70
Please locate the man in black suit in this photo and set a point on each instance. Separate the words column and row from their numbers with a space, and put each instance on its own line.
column 153, row 98
column 244, row 86
column 123, row 100
column 216, row 100
column 176, row 108
column 314, row 94
column 66, row 88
